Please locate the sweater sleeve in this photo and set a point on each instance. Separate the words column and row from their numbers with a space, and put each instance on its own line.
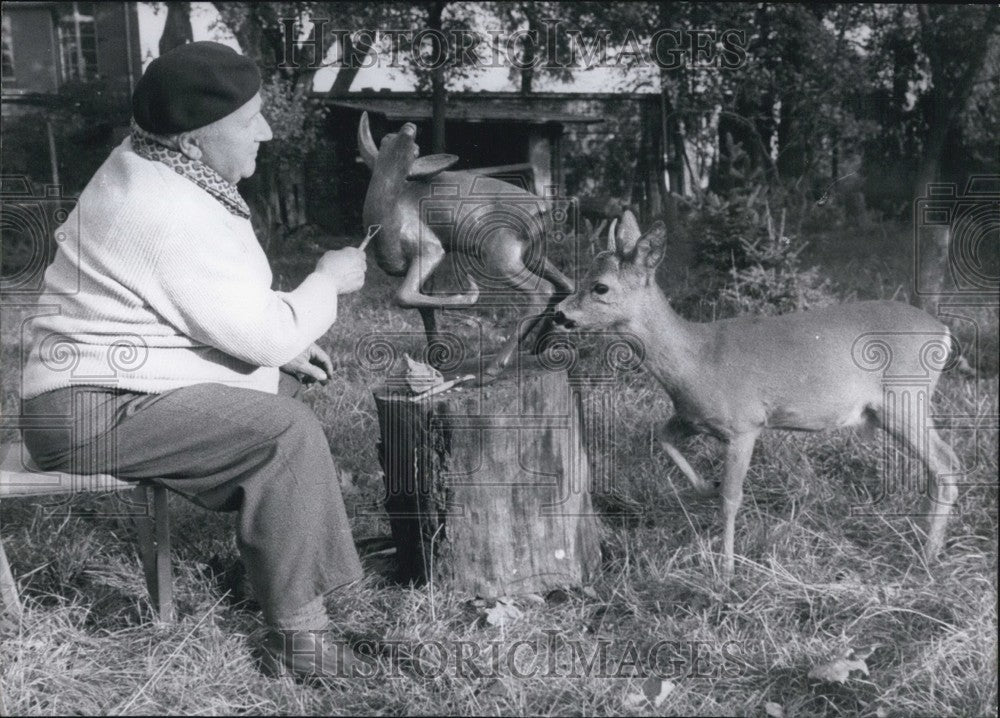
column 212, row 292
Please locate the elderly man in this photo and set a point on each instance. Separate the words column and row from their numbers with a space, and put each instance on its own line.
column 161, row 355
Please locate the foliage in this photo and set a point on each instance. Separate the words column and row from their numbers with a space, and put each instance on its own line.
column 603, row 162
column 756, row 265
column 929, row 81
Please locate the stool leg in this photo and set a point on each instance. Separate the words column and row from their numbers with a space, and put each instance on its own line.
column 154, row 549
column 8, row 589
column 164, row 575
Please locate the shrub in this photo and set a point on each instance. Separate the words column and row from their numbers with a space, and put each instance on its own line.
column 751, row 265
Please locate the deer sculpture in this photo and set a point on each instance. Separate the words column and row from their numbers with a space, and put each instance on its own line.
column 731, row 379
column 425, row 212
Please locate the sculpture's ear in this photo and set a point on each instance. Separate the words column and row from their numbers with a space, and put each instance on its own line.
column 427, row 167
column 627, row 234
column 366, row 145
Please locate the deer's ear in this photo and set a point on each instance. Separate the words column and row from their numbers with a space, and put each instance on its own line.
column 627, row 234
column 427, row 167
column 649, row 249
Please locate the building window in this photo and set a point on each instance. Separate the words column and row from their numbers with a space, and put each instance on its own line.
column 77, row 42
column 7, row 70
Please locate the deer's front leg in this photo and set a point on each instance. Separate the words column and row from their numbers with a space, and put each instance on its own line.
column 677, row 429
column 738, row 452
column 429, row 256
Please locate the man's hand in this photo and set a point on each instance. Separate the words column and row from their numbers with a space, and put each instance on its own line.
column 311, row 365
column 347, row 266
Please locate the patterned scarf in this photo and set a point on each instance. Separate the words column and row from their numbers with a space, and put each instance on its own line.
column 162, row 149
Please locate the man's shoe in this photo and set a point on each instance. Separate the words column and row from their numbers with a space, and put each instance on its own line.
column 310, row 655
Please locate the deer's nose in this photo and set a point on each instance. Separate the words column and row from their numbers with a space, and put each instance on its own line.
column 560, row 319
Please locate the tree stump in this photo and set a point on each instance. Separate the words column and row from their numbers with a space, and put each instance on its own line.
column 488, row 487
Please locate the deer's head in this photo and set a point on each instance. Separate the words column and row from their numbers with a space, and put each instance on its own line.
column 398, row 157
column 617, row 284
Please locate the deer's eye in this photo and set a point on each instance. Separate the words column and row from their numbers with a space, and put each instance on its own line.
column 600, row 288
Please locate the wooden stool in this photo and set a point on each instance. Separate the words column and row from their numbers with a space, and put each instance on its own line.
column 20, row 478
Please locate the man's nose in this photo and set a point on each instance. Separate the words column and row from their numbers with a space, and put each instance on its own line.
column 264, row 133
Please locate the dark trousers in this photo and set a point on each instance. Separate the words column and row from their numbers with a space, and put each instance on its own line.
column 225, row 449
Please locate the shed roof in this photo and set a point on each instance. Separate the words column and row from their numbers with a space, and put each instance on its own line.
column 465, row 109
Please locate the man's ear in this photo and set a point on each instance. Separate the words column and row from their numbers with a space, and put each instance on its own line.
column 187, row 143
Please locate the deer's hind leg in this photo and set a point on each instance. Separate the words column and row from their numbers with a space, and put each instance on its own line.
column 678, row 429
column 941, row 492
column 916, row 432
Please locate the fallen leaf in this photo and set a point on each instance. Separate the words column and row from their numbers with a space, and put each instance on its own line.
column 653, row 690
column 589, row 592
column 774, row 709
column 839, row 669
column 503, row 613
column 534, row 598
column 420, row 377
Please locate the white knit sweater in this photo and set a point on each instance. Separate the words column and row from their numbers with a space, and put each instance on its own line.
column 156, row 286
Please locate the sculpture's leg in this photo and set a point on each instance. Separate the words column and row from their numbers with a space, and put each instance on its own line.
column 430, row 330
column 409, row 295
column 545, row 288
column 510, row 347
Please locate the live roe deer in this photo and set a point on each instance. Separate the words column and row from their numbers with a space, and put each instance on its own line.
column 733, row 378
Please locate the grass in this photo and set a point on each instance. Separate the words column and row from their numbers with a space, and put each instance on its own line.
column 812, row 579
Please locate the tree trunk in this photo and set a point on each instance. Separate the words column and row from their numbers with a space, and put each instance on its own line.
column 528, row 59
column 488, row 489
column 651, row 163
column 177, row 29
column 439, row 96
column 945, row 105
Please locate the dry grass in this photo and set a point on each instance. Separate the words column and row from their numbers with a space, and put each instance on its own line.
column 811, row 581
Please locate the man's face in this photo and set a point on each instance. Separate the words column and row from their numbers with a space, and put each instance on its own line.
column 229, row 146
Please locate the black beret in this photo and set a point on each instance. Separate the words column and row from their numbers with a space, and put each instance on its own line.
column 191, row 86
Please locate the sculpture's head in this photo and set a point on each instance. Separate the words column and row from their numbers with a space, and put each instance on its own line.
column 398, row 157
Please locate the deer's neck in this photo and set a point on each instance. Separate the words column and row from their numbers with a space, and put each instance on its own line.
column 673, row 346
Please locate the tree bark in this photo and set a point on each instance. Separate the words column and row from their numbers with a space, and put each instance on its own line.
column 439, row 97
column 177, row 29
column 945, row 106
column 488, row 489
